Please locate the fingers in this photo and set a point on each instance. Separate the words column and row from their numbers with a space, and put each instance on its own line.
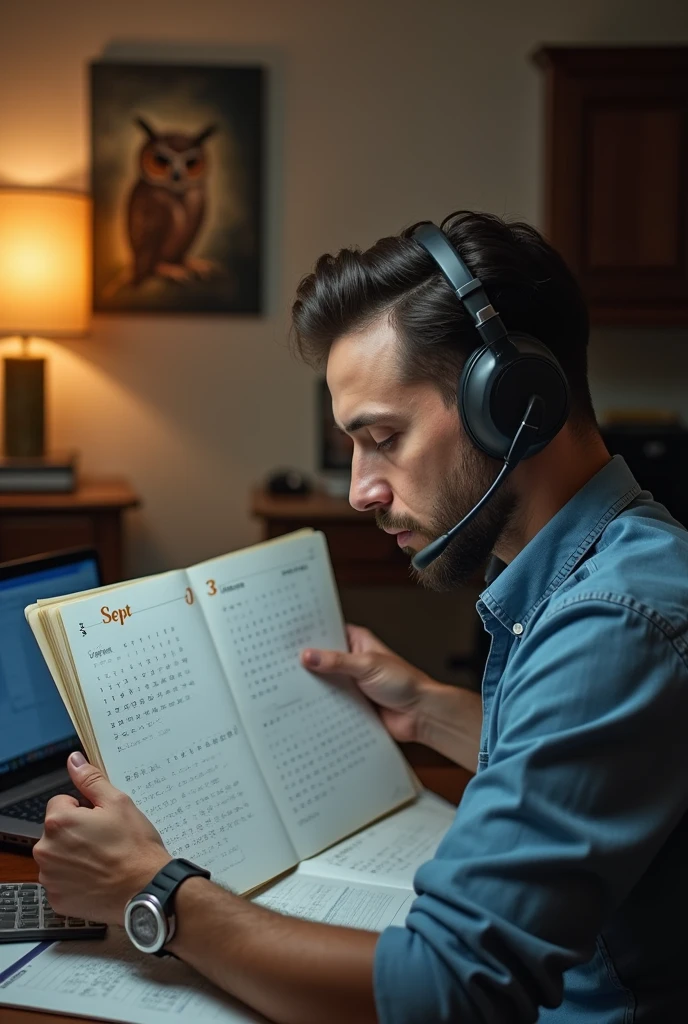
column 357, row 634
column 90, row 781
column 62, row 802
column 341, row 663
column 361, row 639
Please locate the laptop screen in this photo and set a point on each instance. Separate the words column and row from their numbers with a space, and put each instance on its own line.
column 33, row 721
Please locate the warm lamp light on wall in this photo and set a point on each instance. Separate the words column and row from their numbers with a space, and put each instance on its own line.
column 45, row 292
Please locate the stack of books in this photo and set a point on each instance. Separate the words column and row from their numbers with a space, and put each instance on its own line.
column 47, row 474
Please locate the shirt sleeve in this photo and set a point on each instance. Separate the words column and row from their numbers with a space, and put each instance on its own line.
column 586, row 780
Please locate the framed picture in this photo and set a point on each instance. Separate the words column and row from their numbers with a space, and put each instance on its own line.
column 177, row 181
column 336, row 447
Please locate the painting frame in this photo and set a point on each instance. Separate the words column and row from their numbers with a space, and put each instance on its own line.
column 209, row 122
column 335, row 448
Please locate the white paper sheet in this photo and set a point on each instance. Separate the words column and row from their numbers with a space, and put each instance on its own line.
column 110, row 980
column 370, row 907
column 10, row 952
column 389, row 852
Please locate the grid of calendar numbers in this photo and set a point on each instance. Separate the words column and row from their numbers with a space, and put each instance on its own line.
column 147, row 681
column 314, row 741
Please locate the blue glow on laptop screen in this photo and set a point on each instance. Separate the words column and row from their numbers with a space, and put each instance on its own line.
column 33, row 720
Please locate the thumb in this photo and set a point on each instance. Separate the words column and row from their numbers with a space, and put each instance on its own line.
column 89, row 780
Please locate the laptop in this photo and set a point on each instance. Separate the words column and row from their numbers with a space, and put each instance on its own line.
column 36, row 733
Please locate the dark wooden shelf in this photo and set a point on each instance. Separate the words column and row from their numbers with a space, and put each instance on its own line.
column 616, row 177
column 31, row 524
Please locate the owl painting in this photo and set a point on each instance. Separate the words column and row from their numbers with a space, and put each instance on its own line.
column 177, row 182
column 167, row 205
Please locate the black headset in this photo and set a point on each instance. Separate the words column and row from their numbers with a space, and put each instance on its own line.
column 512, row 395
column 501, row 375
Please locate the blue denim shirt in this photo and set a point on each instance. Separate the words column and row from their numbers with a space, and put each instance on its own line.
column 560, row 893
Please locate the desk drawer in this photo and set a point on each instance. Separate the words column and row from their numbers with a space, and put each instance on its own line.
column 27, row 534
column 362, row 543
column 360, row 553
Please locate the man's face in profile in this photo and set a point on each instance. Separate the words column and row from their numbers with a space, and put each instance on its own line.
column 412, row 463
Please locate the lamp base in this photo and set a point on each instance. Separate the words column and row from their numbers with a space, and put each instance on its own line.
column 24, row 406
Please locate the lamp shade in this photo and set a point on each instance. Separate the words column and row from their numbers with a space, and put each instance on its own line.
column 45, row 263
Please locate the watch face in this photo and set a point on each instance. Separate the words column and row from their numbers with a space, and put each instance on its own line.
column 144, row 925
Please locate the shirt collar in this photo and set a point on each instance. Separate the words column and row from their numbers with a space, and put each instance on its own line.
column 554, row 552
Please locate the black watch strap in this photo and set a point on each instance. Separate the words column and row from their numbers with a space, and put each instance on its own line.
column 165, row 884
column 169, row 878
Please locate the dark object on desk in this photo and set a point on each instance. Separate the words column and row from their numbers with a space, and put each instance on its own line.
column 289, row 481
column 43, row 474
column 26, row 916
column 657, row 454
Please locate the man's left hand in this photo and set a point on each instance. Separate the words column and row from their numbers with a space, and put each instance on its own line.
column 92, row 860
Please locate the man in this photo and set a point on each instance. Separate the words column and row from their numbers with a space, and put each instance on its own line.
column 562, row 884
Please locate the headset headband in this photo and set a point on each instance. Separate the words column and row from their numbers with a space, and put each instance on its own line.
column 467, row 288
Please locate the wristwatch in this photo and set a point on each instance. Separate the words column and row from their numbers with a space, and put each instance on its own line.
column 149, row 917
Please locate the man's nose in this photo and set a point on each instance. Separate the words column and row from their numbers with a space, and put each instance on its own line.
column 369, row 493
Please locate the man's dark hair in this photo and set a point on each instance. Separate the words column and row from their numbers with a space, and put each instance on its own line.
column 526, row 280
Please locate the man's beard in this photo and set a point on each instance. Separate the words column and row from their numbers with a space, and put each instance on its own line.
column 459, row 492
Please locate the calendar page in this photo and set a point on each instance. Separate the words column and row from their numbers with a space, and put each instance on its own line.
column 329, row 762
column 168, row 728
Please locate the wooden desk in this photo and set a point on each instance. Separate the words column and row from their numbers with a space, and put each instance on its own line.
column 448, row 782
column 31, row 524
column 361, row 553
column 18, row 867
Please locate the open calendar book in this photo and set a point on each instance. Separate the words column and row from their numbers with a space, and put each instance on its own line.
column 187, row 690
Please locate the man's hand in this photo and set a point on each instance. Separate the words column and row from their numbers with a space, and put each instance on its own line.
column 386, row 679
column 413, row 707
column 92, row 860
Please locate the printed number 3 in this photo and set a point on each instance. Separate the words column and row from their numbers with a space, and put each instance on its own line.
column 212, row 589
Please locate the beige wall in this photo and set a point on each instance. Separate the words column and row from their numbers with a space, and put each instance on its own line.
column 386, row 111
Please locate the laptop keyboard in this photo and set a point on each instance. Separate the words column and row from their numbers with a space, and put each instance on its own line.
column 33, row 807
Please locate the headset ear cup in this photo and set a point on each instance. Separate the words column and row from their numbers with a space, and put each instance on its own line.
column 470, row 398
column 496, row 385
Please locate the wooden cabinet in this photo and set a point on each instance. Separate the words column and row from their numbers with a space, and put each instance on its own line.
column 31, row 524
column 361, row 553
column 616, row 177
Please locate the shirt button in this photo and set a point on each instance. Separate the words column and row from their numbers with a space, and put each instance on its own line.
column 518, row 628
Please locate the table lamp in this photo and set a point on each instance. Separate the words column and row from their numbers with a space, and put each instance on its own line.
column 45, row 291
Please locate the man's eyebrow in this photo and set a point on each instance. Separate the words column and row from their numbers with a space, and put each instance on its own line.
column 366, row 419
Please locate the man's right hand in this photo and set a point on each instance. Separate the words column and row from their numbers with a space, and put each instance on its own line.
column 386, row 679
column 412, row 706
